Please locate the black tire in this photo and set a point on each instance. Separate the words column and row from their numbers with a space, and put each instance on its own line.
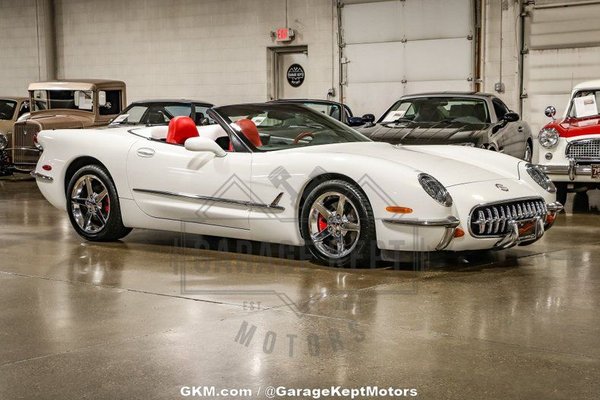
column 358, row 240
column 105, row 223
column 561, row 193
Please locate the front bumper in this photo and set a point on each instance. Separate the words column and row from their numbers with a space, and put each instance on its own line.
column 573, row 170
column 449, row 227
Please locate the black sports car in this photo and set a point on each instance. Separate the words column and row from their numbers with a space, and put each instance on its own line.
column 469, row 119
column 336, row 110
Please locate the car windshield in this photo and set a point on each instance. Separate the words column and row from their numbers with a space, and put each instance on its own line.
column 7, row 109
column 69, row 99
column 161, row 113
column 585, row 104
column 333, row 110
column 438, row 110
column 285, row 126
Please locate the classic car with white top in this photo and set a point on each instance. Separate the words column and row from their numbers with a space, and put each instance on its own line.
column 283, row 173
column 569, row 150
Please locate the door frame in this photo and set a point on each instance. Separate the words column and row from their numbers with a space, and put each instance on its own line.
column 273, row 54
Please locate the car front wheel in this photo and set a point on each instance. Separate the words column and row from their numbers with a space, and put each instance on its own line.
column 93, row 205
column 337, row 224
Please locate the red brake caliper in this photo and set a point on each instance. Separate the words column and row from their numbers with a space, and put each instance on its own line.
column 321, row 223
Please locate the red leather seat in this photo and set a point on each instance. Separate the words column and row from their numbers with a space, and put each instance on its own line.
column 249, row 130
column 181, row 129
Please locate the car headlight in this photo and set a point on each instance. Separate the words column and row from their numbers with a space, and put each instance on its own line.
column 540, row 177
column 548, row 137
column 3, row 141
column 435, row 189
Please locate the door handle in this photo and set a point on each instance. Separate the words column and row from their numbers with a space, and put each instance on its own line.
column 520, row 129
column 145, row 152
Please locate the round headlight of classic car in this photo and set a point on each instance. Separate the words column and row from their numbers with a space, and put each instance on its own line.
column 540, row 177
column 548, row 137
column 435, row 189
column 3, row 141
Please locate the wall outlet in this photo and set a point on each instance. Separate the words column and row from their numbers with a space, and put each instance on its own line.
column 499, row 87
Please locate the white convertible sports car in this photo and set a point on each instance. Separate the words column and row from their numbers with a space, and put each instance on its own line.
column 283, row 173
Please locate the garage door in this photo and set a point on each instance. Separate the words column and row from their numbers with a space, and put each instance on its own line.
column 563, row 39
column 398, row 47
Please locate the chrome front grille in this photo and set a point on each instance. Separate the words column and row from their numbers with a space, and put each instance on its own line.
column 584, row 150
column 491, row 220
column 24, row 152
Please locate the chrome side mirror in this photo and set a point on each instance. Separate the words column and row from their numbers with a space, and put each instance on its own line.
column 550, row 112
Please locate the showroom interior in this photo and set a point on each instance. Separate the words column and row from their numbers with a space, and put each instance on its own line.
column 187, row 305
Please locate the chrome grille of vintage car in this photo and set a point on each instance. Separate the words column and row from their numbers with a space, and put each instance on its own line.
column 584, row 150
column 24, row 148
column 492, row 220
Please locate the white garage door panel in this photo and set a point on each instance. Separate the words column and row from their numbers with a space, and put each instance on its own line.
column 575, row 26
column 423, row 43
column 551, row 75
column 434, row 19
column 376, row 62
column 438, row 60
column 378, row 22
column 564, row 50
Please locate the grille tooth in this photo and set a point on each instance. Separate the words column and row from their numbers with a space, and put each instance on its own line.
column 492, row 220
column 584, row 150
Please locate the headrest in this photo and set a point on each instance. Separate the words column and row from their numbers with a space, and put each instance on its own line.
column 181, row 129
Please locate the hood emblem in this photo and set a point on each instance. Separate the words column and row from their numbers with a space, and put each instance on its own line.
column 502, row 187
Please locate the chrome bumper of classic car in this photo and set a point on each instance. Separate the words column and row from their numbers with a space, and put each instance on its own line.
column 41, row 177
column 513, row 222
column 572, row 170
column 449, row 223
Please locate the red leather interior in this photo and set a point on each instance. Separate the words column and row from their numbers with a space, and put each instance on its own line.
column 249, row 130
column 181, row 129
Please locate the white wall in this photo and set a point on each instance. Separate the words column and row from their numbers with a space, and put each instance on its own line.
column 23, row 44
column 213, row 50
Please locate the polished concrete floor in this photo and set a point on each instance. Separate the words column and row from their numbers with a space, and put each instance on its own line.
column 158, row 311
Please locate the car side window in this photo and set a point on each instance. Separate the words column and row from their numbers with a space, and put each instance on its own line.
column 499, row 108
column 24, row 108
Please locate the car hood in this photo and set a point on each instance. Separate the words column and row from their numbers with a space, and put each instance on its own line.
column 451, row 165
column 572, row 127
column 413, row 133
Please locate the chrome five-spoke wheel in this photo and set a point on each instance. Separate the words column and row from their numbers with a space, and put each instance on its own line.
column 337, row 224
column 334, row 225
column 90, row 204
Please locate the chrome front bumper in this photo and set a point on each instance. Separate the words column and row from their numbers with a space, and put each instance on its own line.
column 572, row 170
column 451, row 223
column 41, row 177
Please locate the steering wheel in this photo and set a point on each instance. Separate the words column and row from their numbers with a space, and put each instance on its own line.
column 302, row 136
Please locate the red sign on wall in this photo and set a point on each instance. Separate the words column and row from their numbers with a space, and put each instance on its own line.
column 284, row 34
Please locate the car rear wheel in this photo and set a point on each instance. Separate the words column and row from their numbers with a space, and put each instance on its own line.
column 337, row 224
column 93, row 205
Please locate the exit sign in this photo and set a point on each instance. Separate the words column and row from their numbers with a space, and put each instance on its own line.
column 284, row 35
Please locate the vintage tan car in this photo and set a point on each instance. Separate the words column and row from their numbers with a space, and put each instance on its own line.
column 12, row 108
column 76, row 104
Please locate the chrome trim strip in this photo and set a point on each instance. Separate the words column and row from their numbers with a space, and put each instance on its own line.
column 41, row 177
column 448, row 222
column 273, row 206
